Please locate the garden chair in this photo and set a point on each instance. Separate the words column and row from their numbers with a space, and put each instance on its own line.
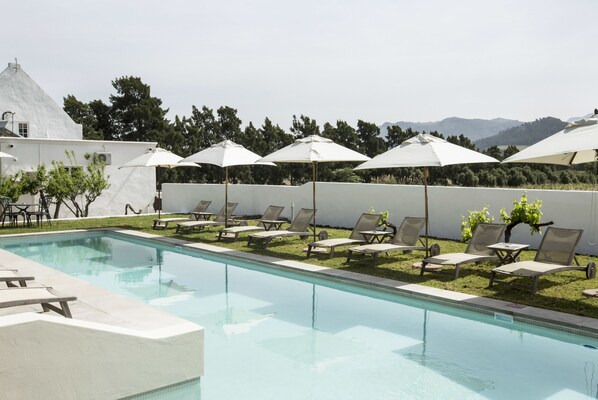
column 555, row 254
column 190, row 226
column 269, row 217
column 299, row 227
column 476, row 252
column 23, row 296
column 366, row 222
column 406, row 239
column 200, row 208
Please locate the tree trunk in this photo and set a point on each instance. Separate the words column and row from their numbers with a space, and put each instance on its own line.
column 514, row 224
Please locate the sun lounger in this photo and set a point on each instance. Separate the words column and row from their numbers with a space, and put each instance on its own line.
column 199, row 210
column 190, row 226
column 299, row 227
column 555, row 254
column 406, row 239
column 271, row 215
column 9, row 276
column 23, row 296
column 476, row 251
column 366, row 222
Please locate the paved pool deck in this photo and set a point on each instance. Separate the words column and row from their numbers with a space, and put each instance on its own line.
column 99, row 305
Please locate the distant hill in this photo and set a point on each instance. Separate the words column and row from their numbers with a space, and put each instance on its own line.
column 525, row 134
column 474, row 129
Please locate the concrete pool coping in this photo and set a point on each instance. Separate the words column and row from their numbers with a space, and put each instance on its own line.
column 95, row 307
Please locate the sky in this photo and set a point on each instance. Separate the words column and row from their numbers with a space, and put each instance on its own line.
column 374, row 60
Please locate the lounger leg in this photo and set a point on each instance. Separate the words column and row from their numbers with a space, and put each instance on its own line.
column 331, row 252
column 534, row 284
column 457, row 269
column 422, row 269
column 374, row 259
column 308, row 250
column 492, row 276
column 63, row 310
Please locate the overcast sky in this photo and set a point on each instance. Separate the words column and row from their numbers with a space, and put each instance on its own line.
column 376, row 60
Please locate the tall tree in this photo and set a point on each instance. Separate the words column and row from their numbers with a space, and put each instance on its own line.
column 82, row 114
column 137, row 115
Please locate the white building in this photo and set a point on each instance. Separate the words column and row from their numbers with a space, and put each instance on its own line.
column 36, row 130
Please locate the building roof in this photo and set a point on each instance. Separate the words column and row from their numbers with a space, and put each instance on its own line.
column 19, row 94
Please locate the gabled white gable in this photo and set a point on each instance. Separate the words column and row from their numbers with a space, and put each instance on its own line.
column 19, row 94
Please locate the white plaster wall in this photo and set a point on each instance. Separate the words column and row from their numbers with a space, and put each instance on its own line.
column 128, row 185
column 339, row 204
column 20, row 94
column 49, row 357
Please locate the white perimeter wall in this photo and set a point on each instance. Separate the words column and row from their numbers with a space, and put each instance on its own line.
column 339, row 204
column 128, row 185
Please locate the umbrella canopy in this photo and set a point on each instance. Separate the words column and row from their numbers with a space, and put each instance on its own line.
column 314, row 149
column 576, row 144
column 426, row 151
column 6, row 155
column 226, row 154
column 159, row 158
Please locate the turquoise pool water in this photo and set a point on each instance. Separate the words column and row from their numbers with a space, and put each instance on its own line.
column 272, row 334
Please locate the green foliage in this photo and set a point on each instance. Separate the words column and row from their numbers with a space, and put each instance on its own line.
column 33, row 182
column 76, row 187
column 10, row 187
column 524, row 212
column 474, row 218
column 383, row 217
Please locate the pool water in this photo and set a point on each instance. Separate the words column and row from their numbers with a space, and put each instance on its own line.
column 272, row 334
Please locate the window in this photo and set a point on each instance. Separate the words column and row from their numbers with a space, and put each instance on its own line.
column 23, row 129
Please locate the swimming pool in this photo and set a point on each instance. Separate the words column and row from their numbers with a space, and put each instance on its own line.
column 274, row 334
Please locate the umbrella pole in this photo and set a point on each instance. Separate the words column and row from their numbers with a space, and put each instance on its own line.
column 226, row 197
column 314, row 174
column 159, row 192
column 426, row 174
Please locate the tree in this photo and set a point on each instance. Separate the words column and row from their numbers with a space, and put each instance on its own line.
column 76, row 187
column 523, row 212
column 137, row 116
column 83, row 114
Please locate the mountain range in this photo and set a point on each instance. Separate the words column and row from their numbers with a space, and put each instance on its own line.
column 486, row 133
column 474, row 129
column 525, row 134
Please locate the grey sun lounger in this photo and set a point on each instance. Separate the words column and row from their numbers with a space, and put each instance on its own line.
column 10, row 276
column 555, row 254
column 406, row 239
column 272, row 213
column 199, row 209
column 299, row 227
column 366, row 222
column 190, row 226
column 477, row 251
column 23, row 296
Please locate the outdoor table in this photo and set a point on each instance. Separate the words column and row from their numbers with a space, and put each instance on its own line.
column 24, row 211
column 507, row 252
column 375, row 236
column 202, row 215
column 271, row 224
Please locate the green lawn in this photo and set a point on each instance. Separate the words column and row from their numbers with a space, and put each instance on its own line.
column 560, row 291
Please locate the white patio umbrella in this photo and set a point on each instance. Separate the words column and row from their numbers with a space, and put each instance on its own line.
column 6, row 155
column 226, row 154
column 158, row 158
column 314, row 150
column 576, row 144
column 426, row 151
